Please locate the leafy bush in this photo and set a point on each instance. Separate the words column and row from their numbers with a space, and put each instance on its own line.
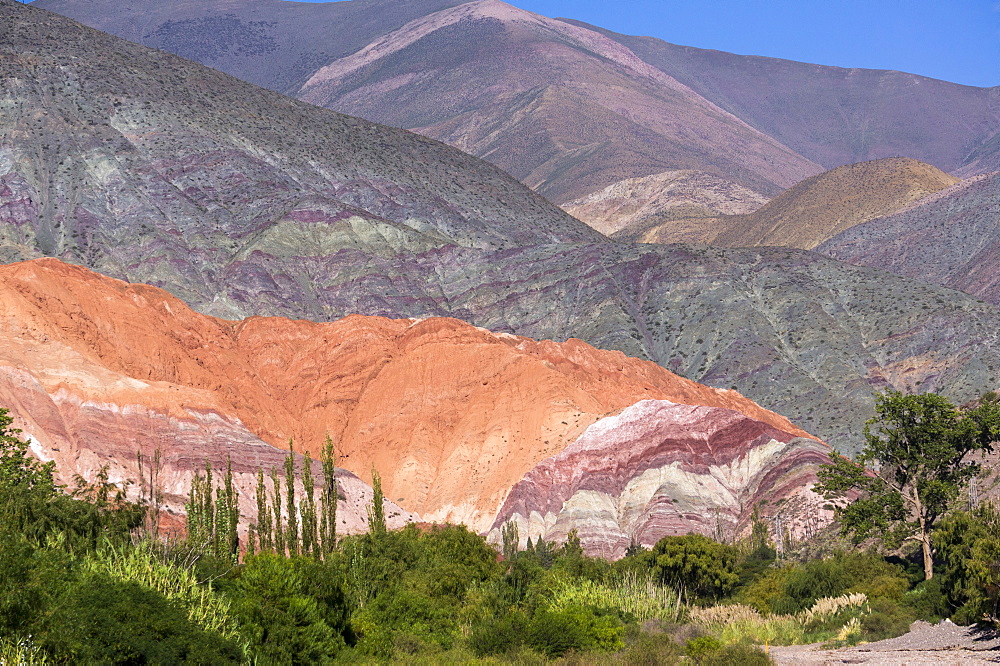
column 696, row 565
column 283, row 622
column 103, row 620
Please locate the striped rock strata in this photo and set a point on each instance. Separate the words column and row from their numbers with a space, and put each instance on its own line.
column 453, row 416
column 661, row 468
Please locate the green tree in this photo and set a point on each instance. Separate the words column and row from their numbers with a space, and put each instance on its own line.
column 263, row 515
column 279, row 530
column 293, row 519
column 376, row 512
column 328, row 511
column 916, row 449
column 696, row 565
column 309, row 519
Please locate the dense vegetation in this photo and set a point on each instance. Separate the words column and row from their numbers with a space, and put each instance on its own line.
column 83, row 578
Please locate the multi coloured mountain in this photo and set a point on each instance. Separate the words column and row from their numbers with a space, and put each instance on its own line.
column 951, row 238
column 242, row 202
column 566, row 107
column 97, row 370
column 809, row 213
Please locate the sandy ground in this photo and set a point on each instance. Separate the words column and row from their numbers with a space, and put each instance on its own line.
column 943, row 643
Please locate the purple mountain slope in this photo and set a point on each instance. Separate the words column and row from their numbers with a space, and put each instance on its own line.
column 951, row 238
column 566, row 107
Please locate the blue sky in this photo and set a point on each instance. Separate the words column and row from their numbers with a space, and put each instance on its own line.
column 955, row 40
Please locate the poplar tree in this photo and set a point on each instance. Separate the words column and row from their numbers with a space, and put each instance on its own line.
column 293, row 519
column 309, row 545
column 263, row 514
column 376, row 512
column 328, row 518
column 230, row 528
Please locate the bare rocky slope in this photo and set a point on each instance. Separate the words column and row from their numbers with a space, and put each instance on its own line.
column 530, row 93
column 811, row 212
column 241, row 202
column 951, row 239
column 452, row 416
column 836, row 116
column 562, row 108
column 637, row 203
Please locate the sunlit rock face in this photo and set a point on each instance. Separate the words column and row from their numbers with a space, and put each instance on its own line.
column 452, row 416
column 660, row 468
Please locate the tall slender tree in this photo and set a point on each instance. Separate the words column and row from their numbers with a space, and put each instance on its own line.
column 309, row 522
column 278, row 527
column 293, row 520
column 263, row 514
column 230, row 528
column 376, row 512
column 328, row 519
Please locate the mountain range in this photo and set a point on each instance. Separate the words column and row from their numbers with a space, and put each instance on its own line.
column 566, row 107
column 453, row 416
column 150, row 168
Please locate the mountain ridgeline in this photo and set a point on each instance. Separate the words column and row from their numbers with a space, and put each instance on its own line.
column 242, row 202
column 566, row 107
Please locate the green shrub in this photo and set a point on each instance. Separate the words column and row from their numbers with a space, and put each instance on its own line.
column 103, row 620
column 283, row 619
column 886, row 619
column 554, row 634
column 701, row 647
column 695, row 564
column 499, row 635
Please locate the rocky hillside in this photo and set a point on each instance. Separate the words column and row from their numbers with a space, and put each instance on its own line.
column 951, row 239
column 651, row 200
column 833, row 115
column 562, row 108
column 567, row 107
column 247, row 203
column 808, row 214
column 452, row 415
column 141, row 164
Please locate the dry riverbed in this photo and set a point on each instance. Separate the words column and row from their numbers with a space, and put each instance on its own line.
column 943, row 643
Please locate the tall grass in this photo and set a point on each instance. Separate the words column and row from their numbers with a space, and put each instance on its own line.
column 823, row 621
column 141, row 565
column 640, row 597
column 20, row 653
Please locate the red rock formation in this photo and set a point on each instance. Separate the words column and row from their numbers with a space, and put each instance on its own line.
column 661, row 468
column 451, row 415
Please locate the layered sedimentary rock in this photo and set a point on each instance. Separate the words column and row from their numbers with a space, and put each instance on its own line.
column 660, row 468
column 674, row 194
column 814, row 210
column 451, row 415
column 148, row 168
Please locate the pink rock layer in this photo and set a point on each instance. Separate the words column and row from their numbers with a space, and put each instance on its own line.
column 451, row 415
column 661, row 468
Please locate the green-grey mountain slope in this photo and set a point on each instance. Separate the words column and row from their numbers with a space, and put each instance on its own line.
column 150, row 168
